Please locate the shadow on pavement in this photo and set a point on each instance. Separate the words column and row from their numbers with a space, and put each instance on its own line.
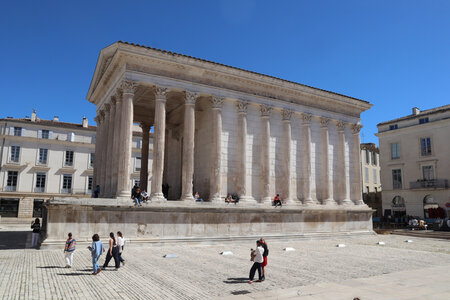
column 10, row 240
column 50, row 267
column 236, row 280
column 243, row 292
column 73, row 274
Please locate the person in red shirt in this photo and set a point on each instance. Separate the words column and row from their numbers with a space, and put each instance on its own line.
column 277, row 200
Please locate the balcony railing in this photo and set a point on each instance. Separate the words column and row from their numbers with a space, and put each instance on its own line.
column 11, row 188
column 39, row 189
column 429, row 184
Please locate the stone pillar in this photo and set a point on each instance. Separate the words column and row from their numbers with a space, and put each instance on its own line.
column 99, row 154
column 105, row 162
column 241, row 175
column 342, row 186
column 306, row 166
column 216, row 149
column 188, row 147
column 143, row 178
column 110, row 148
column 327, row 182
column 265, row 153
column 126, row 137
column 116, row 143
column 356, row 183
column 287, row 188
column 96, row 152
column 158, row 144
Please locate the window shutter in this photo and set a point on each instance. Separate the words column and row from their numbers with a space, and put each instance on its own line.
column 11, row 130
column 40, row 134
column 139, row 144
column 23, row 131
column 50, row 133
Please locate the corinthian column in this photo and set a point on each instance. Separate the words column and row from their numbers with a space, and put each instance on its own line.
column 143, row 178
column 126, row 136
column 109, row 150
column 356, row 184
column 306, row 132
column 265, row 153
column 158, row 144
column 105, row 138
column 96, row 152
column 342, row 186
column 116, row 143
column 216, row 149
column 287, row 189
column 242, row 152
column 188, row 146
column 327, row 183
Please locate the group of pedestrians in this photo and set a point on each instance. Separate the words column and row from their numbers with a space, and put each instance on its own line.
column 115, row 250
column 259, row 258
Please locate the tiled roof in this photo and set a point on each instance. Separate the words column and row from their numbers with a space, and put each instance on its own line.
column 420, row 115
column 236, row 68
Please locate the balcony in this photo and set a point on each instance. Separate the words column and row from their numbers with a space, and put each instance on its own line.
column 429, row 184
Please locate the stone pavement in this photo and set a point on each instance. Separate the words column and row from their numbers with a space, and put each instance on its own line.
column 316, row 270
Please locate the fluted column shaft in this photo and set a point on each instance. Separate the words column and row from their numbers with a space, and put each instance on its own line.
column 306, row 170
column 143, row 176
column 241, row 175
column 109, row 150
column 216, row 149
column 265, row 153
column 327, row 183
column 126, row 137
column 356, row 184
column 96, row 154
column 342, row 169
column 105, row 134
column 116, row 145
column 159, row 144
column 188, row 147
column 287, row 133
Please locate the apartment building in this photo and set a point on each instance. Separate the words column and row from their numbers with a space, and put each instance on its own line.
column 370, row 170
column 415, row 163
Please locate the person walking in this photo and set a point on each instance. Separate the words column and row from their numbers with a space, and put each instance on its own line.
column 257, row 256
column 113, row 252
column 265, row 254
column 36, row 226
column 121, row 242
column 69, row 249
column 97, row 250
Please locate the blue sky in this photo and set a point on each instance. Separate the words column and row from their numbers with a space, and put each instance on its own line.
column 395, row 54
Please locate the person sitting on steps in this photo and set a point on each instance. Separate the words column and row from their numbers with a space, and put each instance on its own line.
column 277, row 201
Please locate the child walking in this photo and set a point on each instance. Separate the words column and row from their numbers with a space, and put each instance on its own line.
column 69, row 249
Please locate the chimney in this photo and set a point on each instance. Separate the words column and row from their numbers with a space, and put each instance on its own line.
column 55, row 119
column 415, row 111
column 85, row 122
column 33, row 116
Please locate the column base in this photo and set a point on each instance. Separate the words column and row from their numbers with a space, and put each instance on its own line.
column 188, row 198
column 123, row 194
column 246, row 199
column 359, row 202
column 346, row 202
column 216, row 199
column 266, row 200
column 310, row 201
column 157, row 197
column 329, row 201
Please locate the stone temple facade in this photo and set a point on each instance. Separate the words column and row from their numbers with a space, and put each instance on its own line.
column 219, row 129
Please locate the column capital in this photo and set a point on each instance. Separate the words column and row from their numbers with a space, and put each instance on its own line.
column 107, row 107
column 324, row 122
column 340, row 125
column 190, row 97
column 117, row 95
column 306, row 119
column 356, row 128
column 145, row 125
column 217, row 101
column 242, row 107
column 97, row 119
column 161, row 93
column 287, row 114
column 128, row 86
column 265, row 110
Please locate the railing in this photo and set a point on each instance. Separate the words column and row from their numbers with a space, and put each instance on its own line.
column 10, row 188
column 39, row 189
column 427, row 184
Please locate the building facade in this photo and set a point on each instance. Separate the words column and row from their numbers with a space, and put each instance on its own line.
column 220, row 129
column 370, row 171
column 415, row 163
column 41, row 159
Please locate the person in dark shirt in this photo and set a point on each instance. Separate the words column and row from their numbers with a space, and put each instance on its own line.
column 137, row 196
column 36, row 226
column 265, row 254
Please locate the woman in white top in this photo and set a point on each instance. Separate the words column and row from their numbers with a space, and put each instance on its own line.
column 121, row 242
column 257, row 257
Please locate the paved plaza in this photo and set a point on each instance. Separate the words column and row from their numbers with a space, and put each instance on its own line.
column 317, row 269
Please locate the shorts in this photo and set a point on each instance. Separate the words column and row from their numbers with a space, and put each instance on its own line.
column 265, row 261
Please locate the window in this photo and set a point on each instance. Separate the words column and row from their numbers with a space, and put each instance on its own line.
column 423, row 120
column 69, row 158
column 37, row 208
column 90, row 178
column 367, row 190
column 393, row 127
column 395, row 151
column 9, row 207
column 17, row 131
column 67, row 184
column 425, row 145
column 374, row 158
column 91, row 160
column 139, row 144
column 40, row 182
column 15, row 153
column 138, row 164
column 366, row 173
column 43, row 154
column 137, row 182
column 367, row 157
column 11, row 184
column 397, row 179
column 374, row 176
column 428, row 172
column 45, row 134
